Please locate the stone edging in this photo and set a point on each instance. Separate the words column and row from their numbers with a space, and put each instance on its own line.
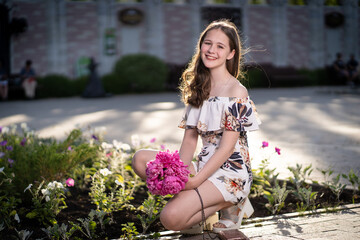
column 300, row 214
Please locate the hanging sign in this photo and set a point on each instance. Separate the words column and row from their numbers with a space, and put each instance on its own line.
column 130, row 16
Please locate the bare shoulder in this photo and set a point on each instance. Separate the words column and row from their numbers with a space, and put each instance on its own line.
column 238, row 90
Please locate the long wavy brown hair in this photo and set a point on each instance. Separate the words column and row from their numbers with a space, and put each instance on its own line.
column 195, row 80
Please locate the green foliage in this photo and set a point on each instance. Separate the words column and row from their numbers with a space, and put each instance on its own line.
column 255, row 78
column 307, row 198
column 47, row 203
column 354, row 179
column 276, row 197
column 36, row 159
column 150, row 209
column 54, row 86
column 140, row 73
column 300, row 176
column 113, row 84
column 129, row 230
column 335, row 184
column 263, row 177
column 57, row 232
column 316, row 77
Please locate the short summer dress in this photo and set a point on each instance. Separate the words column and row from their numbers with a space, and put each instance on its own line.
column 217, row 114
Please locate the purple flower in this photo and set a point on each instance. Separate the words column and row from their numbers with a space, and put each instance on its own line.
column 3, row 143
column 22, row 143
column 2, row 154
column 69, row 148
column 9, row 148
column 265, row 144
column 10, row 161
column 95, row 137
column 152, row 140
column 277, row 150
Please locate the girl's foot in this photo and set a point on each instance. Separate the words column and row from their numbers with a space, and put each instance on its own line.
column 232, row 217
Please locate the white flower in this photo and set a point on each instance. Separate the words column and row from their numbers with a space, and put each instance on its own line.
column 16, row 217
column 1, row 169
column 135, row 140
column 13, row 128
column 54, row 185
column 47, row 198
column 24, row 127
column 105, row 172
column 45, row 192
column 106, row 145
column 28, row 187
column 119, row 183
column 5, row 130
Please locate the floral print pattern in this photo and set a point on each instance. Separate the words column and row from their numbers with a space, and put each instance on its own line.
column 216, row 115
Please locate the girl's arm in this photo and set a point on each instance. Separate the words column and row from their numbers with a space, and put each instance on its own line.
column 188, row 146
column 226, row 148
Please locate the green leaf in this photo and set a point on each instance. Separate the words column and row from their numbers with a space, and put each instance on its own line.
column 31, row 215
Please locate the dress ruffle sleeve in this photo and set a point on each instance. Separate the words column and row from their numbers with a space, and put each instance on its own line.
column 218, row 114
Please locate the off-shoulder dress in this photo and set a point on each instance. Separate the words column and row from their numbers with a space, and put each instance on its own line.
column 217, row 114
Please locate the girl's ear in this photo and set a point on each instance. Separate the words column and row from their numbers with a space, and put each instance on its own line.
column 231, row 55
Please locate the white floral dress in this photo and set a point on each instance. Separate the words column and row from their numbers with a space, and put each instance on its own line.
column 217, row 114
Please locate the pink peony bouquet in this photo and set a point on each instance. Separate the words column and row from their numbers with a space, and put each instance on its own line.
column 166, row 174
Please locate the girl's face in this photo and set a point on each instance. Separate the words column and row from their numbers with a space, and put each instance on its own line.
column 215, row 49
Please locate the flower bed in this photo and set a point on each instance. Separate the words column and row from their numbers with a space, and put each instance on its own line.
column 84, row 188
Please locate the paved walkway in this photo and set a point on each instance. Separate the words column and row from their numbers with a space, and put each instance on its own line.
column 318, row 126
column 341, row 225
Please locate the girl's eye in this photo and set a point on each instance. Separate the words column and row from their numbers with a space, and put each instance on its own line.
column 221, row 47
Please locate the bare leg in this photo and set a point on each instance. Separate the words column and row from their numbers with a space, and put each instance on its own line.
column 140, row 159
column 184, row 209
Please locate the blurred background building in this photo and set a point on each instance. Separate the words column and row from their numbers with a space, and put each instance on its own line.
column 59, row 36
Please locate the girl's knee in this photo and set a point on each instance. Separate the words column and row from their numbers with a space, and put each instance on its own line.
column 171, row 219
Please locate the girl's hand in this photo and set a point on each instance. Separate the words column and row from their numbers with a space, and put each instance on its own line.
column 192, row 183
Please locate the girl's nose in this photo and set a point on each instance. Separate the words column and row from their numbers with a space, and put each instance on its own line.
column 211, row 49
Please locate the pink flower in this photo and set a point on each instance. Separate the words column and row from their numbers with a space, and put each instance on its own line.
column 265, row 144
column 277, row 150
column 166, row 174
column 69, row 148
column 162, row 147
column 152, row 140
column 70, row 182
column 172, row 185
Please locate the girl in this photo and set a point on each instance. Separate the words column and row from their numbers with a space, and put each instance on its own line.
column 220, row 112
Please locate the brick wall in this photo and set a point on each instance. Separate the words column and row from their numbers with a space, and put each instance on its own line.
column 33, row 43
column 82, row 32
column 178, row 33
column 298, row 33
column 260, row 37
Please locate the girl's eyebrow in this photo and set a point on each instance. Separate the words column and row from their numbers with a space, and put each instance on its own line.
column 211, row 41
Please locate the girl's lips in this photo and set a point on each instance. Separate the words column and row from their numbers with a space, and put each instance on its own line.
column 210, row 57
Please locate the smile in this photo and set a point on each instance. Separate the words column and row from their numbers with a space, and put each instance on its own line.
column 210, row 57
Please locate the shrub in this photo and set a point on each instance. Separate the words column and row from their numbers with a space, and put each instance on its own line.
column 31, row 159
column 255, row 78
column 113, row 84
column 78, row 85
column 140, row 73
column 54, row 85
